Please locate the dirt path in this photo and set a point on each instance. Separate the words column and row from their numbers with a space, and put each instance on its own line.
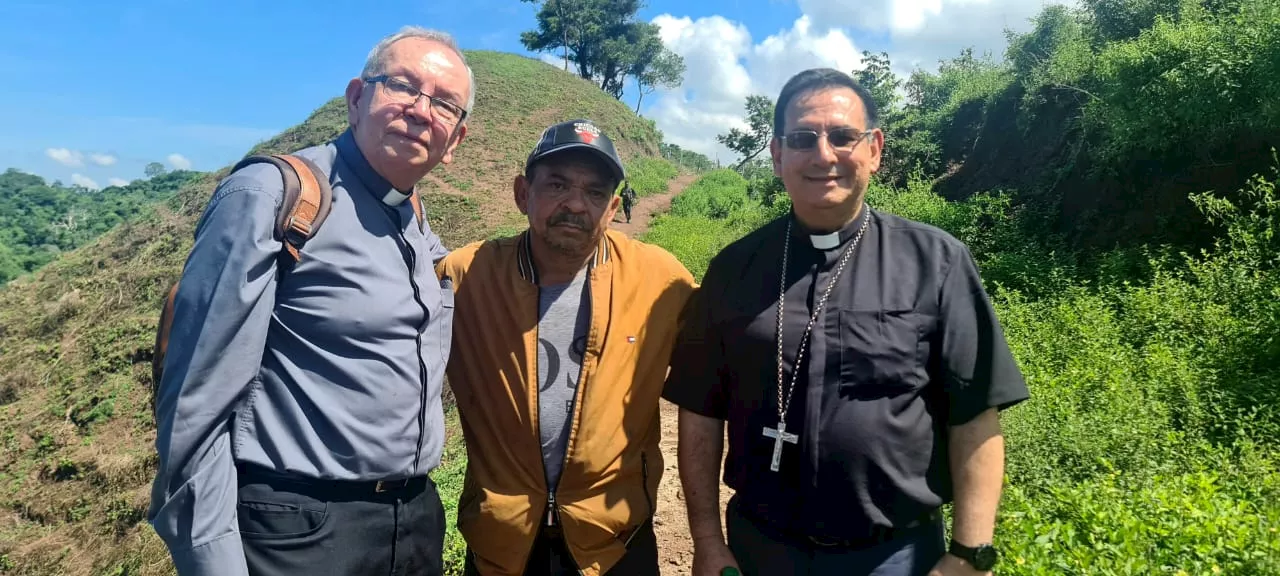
column 671, row 524
column 642, row 213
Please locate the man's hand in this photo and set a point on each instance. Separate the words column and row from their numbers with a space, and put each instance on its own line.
column 710, row 556
column 948, row 566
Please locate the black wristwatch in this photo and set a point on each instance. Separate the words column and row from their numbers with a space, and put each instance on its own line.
column 982, row 557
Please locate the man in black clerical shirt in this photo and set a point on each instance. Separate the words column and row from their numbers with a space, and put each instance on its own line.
column 858, row 363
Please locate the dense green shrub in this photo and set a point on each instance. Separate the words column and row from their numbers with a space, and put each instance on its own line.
column 1219, row 516
column 649, row 176
column 1189, row 86
column 712, row 212
column 715, row 195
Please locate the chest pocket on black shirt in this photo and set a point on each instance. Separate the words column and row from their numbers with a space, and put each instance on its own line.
column 880, row 352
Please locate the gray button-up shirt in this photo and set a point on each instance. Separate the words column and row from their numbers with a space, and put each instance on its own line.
column 332, row 369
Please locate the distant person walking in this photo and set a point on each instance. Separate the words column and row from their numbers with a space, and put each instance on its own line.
column 298, row 416
column 628, row 200
column 559, row 356
column 859, row 365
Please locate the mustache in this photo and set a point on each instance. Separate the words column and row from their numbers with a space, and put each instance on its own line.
column 571, row 219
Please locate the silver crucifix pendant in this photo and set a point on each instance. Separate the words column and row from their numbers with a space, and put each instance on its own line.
column 779, row 436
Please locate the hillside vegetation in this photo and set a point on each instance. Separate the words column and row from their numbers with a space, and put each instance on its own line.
column 39, row 220
column 1104, row 119
column 76, row 336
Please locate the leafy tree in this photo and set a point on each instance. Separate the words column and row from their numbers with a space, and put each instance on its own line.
column 605, row 42
column 657, row 68
column 751, row 142
column 593, row 34
column 878, row 78
column 961, row 76
column 1124, row 19
column 154, row 169
column 908, row 143
column 688, row 158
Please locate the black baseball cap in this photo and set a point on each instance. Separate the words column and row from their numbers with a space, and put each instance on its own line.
column 578, row 133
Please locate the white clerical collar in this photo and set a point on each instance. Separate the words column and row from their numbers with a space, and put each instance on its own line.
column 394, row 197
column 825, row 241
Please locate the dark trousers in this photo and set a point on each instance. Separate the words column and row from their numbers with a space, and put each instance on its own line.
column 763, row 552
column 550, row 556
column 626, row 209
column 292, row 526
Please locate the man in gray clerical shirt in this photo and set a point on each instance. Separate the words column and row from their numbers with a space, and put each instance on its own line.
column 298, row 415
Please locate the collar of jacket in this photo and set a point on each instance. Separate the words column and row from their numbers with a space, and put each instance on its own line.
column 529, row 270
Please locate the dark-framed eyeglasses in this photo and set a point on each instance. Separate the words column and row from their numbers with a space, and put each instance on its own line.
column 840, row 138
column 402, row 92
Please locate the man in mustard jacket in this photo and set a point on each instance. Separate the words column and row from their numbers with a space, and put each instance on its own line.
column 562, row 337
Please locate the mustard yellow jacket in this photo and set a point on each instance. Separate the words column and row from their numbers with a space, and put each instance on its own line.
column 612, row 464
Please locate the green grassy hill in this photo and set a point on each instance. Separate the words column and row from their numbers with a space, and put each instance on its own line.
column 76, row 336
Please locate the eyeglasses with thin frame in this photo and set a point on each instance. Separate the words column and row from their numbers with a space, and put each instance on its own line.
column 402, row 92
column 840, row 138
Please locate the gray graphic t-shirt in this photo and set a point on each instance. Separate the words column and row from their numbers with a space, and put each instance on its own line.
column 564, row 315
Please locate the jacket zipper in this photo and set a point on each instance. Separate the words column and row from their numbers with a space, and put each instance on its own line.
column 552, row 512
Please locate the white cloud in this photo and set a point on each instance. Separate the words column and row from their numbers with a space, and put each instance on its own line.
column 84, row 181
column 102, row 159
column 724, row 66
column 65, row 156
column 925, row 31
column 179, row 162
column 117, row 182
column 555, row 60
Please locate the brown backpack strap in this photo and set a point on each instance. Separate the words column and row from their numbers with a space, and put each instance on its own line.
column 416, row 200
column 162, row 339
column 307, row 198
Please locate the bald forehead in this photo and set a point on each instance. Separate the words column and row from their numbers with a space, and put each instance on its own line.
column 428, row 63
column 832, row 106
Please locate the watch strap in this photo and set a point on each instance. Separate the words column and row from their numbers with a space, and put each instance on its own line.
column 972, row 554
column 961, row 551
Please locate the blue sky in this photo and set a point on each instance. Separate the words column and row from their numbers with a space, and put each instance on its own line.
column 98, row 89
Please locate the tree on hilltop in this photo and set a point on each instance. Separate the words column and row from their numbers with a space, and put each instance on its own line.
column 658, row 68
column 606, row 43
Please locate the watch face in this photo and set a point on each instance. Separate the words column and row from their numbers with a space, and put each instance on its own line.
column 984, row 557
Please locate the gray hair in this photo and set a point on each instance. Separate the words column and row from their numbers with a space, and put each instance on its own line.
column 375, row 64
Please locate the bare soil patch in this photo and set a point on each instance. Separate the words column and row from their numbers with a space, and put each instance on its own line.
column 671, row 522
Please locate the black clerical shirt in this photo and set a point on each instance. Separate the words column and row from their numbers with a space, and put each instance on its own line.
column 907, row 344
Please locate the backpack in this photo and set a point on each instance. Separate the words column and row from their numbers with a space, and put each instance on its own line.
column 306, row 204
